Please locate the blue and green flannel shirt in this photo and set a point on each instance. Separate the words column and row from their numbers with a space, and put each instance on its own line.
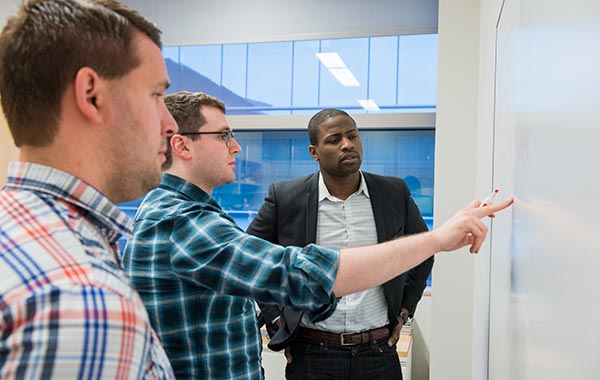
column 198, row 274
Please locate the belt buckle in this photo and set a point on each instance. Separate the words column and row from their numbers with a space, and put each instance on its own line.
column 342, row 340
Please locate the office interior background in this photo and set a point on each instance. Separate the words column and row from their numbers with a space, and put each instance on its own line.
column 500, row 63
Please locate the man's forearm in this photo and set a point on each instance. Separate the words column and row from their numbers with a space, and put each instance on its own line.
column 362, row 268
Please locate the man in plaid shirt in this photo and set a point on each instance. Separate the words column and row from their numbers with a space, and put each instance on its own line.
column 81, row 84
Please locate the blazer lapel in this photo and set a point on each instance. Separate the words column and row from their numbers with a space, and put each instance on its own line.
column 312, row 205
column 382, row 235
column 378, row 208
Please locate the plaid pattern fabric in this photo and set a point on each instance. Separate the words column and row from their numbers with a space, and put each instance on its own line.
column 198, row 274
column 67, row 310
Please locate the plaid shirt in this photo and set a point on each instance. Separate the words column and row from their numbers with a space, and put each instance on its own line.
column 67, row 310
column 198, row 274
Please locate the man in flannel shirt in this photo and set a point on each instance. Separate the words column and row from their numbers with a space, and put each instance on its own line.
column 82, row 86
column 199, row 273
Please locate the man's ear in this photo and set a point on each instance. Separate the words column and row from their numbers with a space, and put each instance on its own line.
column 313, row 152
column 180, row 147
column 90, row 93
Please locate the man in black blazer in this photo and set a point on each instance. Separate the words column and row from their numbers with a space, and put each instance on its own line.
column 342, row 206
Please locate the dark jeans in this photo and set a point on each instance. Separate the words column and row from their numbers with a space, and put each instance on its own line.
column 322, row 361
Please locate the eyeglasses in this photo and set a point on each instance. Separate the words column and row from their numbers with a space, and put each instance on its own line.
column 223, row 135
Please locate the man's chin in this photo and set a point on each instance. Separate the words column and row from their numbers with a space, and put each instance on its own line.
column 230, row 180
column 350, row 168
column 150, row 181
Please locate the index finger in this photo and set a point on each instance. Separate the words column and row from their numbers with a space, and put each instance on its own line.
column 491, row 209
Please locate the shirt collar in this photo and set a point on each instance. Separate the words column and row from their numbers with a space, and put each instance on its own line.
column 187, row 188
column 324, row 192
column 43, row 179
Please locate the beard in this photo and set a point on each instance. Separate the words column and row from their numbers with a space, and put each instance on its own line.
column 135, row 171
column 132, row 184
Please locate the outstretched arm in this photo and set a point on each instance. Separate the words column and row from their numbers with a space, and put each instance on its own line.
column 397, row 256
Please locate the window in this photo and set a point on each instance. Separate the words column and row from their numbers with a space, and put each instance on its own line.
column 272, row 155
column 396, row 73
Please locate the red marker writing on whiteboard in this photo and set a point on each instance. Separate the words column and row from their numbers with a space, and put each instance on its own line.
column 489, row 198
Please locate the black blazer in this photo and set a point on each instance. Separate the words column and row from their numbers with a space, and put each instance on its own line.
column 289, row 217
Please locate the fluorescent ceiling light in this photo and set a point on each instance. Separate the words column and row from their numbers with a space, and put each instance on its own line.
column 369, row 104
column 336, row 66
column 345, row 77
column 331, row 60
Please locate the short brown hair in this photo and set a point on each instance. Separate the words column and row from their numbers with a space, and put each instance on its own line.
column 43, row 46
column 185, row 107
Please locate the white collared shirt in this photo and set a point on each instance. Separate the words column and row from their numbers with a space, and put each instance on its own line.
column 342, row 224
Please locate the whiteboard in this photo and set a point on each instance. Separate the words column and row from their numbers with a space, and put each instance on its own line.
column 545, row 263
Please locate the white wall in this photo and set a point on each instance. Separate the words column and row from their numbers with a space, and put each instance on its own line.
column 452, row 317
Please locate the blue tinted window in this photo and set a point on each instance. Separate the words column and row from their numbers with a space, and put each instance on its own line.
column 397, row 73
column 205, row 60
column 235, row 64
column 417, row 70
column 383, row 70
column 305, row 91
column 272, row 155
column 269, row 156
column 354, row 53
column 266, row 62
column 171, row 52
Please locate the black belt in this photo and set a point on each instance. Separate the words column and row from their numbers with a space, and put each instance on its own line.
column 343, row 339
